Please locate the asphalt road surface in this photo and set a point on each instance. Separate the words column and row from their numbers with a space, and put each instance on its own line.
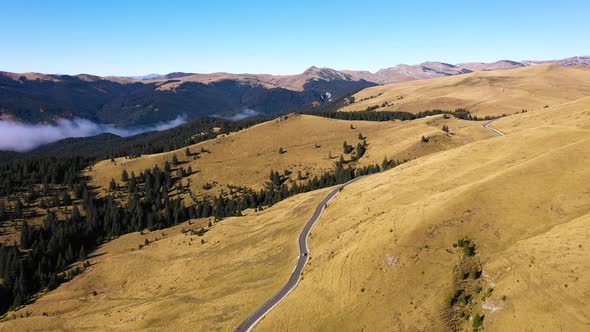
column 487, row 126
column 251, row 321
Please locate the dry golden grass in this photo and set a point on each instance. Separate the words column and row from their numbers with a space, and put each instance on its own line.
column 382, row 255
column 247, row 157
column 176, row 283
column 483, row 93
column 575, row 114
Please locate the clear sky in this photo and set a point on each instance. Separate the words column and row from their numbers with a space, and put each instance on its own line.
column 281, row 37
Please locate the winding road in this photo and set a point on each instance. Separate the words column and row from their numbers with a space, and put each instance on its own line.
column 487, row 126
column 251, row 321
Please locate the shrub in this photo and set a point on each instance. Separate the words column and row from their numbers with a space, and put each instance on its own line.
column 475, row 274
column 478, row 321
column 454, row 298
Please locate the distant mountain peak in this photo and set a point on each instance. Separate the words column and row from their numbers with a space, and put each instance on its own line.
column 145, row 77
column 326, row 74
column 311, row 69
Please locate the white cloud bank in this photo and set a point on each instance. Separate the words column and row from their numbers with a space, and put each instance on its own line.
column 16, row 136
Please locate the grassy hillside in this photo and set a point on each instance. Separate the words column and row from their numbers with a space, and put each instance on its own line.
column 522, row 200
column 575, row 114
column 246, row 158
column 177, row 282
column 483, row 93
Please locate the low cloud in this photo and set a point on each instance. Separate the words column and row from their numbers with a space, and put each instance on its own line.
column 17, row 136
column 247, row 113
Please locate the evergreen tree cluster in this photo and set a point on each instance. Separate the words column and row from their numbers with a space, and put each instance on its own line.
column 463, row 114
column 45, row 252
column 370, row 115
column 20, row 174
column 376, row 116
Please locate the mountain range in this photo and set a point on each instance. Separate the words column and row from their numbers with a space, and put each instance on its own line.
column 398, row 73
column 142, row 100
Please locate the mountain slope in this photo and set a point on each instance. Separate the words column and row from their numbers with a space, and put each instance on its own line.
column 404, row 73
column 498, row 65
column 383, row 253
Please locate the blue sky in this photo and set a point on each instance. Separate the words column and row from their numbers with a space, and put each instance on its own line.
column 281, row 37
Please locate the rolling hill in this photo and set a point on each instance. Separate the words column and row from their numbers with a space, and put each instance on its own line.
column 245, row 158
column 483, row 93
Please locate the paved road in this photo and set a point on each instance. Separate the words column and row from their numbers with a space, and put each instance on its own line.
column 251, row 321
column 487, row 126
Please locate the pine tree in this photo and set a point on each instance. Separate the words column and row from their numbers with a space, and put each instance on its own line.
column 113, row 185
column 19, row 209
column 132, row 185
column 67, row 200
column 174, row 160
column 124, row 176
column 360, row 151
column 187, row 152
column 25, row 235
column 385, row 164
column 82, row 254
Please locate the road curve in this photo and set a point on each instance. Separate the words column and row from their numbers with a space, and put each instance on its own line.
column 487, row 126
column 251, row 321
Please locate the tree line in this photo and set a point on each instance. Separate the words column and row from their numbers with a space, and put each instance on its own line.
column 370, row 115
column 376, row 116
